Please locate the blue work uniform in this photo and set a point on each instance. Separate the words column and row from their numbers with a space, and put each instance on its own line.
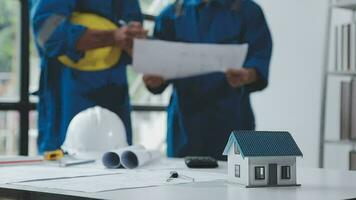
column 205, row 109
column 64, row 91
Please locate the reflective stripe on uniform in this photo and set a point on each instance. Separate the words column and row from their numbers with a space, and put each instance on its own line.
column 48, row 27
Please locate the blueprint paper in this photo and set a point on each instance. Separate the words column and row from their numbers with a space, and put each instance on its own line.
column 138, row 157
column 112, row 159
column 131, row 179
column 30, row 173
column 179, row 60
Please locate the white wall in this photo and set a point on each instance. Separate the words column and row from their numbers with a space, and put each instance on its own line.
column 292, row 101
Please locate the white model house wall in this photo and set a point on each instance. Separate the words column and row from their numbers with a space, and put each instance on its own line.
column 265, row 161
column 236, row 159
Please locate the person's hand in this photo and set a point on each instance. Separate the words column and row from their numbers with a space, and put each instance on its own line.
column 137, row 30
column 124, row 36
column 241, row 77
column 153, row 82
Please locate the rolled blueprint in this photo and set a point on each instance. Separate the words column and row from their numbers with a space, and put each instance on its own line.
column 134, row 158
column 112, row 159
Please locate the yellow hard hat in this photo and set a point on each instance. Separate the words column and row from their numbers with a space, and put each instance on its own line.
column 95, row 59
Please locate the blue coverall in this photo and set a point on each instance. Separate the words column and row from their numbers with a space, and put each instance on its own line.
column 63, row 91
column 205, row 109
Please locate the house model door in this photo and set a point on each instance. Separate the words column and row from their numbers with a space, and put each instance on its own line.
column 272, row 174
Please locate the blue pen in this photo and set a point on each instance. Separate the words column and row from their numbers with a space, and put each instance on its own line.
column 122, row 22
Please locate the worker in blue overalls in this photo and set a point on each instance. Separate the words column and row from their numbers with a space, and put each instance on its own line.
column 65, row 91
column 205, row 109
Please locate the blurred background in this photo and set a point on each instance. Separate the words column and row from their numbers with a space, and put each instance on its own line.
column 294, row 101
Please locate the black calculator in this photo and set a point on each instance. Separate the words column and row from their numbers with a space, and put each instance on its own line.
column 201, row 162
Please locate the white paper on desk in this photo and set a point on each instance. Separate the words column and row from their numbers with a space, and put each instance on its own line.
column 179, row 60
column 112, row 159
column 132, row 179
column 134, row 158
column 30, row 173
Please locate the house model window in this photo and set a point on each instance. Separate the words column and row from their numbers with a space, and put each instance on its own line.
column 237, row 171
column 285, row 172
column 260, row 173
column 237, row 152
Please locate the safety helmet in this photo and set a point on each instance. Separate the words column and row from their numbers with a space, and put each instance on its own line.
column 95, row 59
column 93, row 132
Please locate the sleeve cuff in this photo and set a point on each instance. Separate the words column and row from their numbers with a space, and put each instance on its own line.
column 262, row 70
column 75, row 33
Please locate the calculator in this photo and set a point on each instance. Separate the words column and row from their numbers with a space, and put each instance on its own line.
column 201, row 162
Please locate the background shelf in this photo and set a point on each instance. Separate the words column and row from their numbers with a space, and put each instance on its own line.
column 346, row 4
column 350, row 142
column 343, row 73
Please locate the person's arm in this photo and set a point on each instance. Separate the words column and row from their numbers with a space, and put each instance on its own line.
column 122, row 38
column 259, row 38
column 254, row 75
column 93, row 39
column 53, row 31
column 57, row 36
column 130, row 11
column 164, row 30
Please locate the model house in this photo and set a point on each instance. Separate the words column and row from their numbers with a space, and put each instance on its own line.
column 262, row 159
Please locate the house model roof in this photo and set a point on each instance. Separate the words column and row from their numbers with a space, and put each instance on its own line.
column 263, row 143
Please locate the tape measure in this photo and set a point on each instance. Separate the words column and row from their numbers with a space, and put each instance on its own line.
column 54, row 155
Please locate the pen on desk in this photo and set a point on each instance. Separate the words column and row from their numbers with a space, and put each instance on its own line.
column 64, row 164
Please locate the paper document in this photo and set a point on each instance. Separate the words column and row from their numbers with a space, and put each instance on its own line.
column 129, row 157
column 29, row 173
column 179, row 60
column 132, row 179
column 112, row 159
column 135, row 158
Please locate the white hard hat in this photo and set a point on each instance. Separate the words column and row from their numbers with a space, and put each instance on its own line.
column 94, row 131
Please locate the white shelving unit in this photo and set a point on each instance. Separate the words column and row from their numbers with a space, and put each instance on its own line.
column 349, row 142
column 346, row 4
column 342, row 73
column 331, row 147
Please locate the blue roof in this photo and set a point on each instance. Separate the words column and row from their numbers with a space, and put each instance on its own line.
column 263, row 143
